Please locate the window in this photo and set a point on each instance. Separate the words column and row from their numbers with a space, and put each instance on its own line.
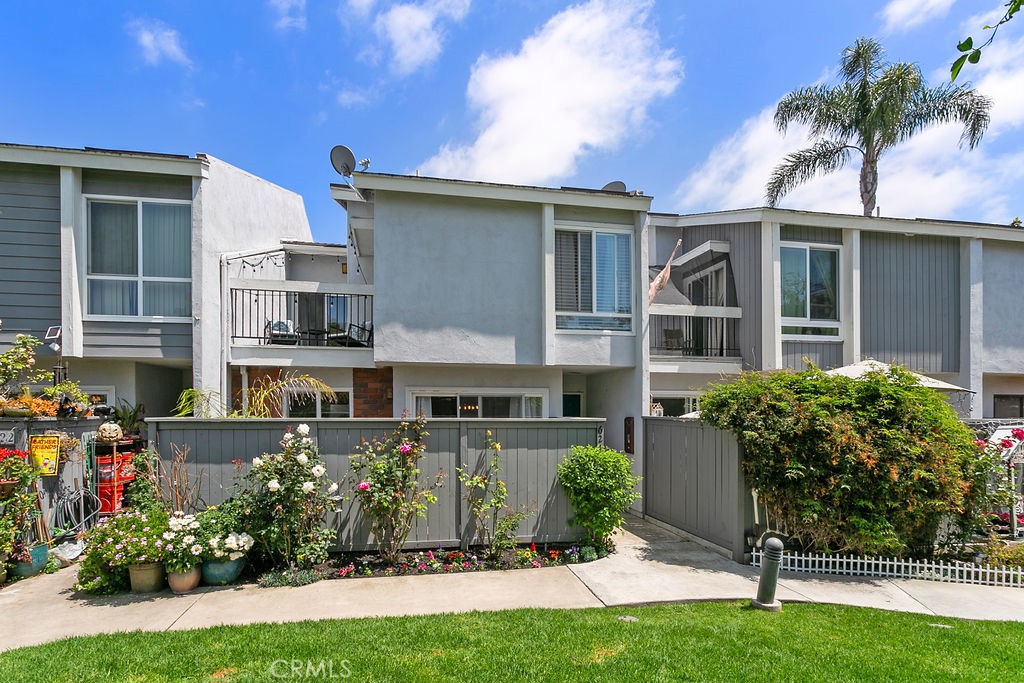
column 139, row 259
column 675, row 406
column 318, row 405
column 1008, row 405
column 474, row 405
column 593, row 280
column 810, row 290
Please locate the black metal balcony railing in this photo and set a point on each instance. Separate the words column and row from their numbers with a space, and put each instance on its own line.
column 693, row 336
column 262, row 316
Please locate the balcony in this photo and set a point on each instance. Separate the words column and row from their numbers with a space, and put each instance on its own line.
column 295, row 323
column 695, row 336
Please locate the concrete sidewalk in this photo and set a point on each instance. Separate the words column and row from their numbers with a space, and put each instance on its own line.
column 651, row 565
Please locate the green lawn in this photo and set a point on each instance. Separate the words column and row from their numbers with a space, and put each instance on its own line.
column 706, row 641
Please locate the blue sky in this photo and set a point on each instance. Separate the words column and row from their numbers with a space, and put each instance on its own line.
column 674, row 98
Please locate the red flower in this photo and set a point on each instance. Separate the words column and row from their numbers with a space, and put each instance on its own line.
column 981, row 444
column 1017, row 433
column 533, row 547
column 1006, row 443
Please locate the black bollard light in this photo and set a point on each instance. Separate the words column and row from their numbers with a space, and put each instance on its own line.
column 772, row 558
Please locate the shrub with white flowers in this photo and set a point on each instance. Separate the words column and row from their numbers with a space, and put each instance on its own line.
column 230, row 547
column 183, row 549
column 291, row 496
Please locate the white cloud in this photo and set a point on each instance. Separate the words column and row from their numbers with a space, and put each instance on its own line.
column 159, row 42
column 352, row 98
column 903, row 15
column 582, row 82
column 928, row 176
column 414, row 31
column 290, row 14
column 358, row 7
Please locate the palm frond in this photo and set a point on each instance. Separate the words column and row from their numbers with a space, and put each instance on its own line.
column 861, row 62
column 826, row 111
column 825, row 156
column 949, row 104
column 267, row 393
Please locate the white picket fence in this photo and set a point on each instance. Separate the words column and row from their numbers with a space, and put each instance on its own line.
column 898, row 568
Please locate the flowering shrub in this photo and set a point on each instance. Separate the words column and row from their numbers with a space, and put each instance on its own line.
column 230, row 547
column 181, row 544
column 18, row 364
column 287, row 508
column 869, row 465
column 128, row 537
column 387, row 486
column 17, row 499
column 496, row 524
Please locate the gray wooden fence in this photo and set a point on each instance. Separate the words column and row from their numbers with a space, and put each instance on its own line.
column 530, row 453
column 693, row 482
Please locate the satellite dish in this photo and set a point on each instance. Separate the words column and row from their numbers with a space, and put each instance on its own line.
column 613, row 186
column 343, row 160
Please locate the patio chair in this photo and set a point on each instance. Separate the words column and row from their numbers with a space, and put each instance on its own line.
column 281, row 332
column 360, row 335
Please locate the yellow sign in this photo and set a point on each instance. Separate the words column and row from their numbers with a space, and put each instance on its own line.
column 45, row 453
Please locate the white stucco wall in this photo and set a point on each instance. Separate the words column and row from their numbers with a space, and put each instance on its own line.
column 232, row 210
column 999, row 384
column 669, row 382
column 316, row 268
column 457, row 280
column 616, row 395
column 409, row 378
column 1004, row 342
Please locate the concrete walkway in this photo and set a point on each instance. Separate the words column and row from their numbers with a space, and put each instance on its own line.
column 651, row 565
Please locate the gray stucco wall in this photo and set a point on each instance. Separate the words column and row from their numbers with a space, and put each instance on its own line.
column 910, row 300
column 315, row 268
column 1003, row 277
column 457, row 280
column 29, row 250
column 826, row 355
column 232, row 210
column 745, row 259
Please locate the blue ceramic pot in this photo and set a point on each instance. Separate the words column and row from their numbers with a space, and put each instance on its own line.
column 39, row 555
column 222, row 572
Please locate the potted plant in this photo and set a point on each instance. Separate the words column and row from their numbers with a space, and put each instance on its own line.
column 225, row 546
column 130, row 540
column 183, row 552
column 18, row 367
column 17, row 503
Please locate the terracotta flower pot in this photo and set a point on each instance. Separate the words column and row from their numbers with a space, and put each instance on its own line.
column 183, row 582
column 147, row 577
column 222, row 572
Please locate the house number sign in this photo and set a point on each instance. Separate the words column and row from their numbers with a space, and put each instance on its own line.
column 6, row 437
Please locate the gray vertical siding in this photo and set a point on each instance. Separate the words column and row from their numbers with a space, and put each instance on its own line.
column 745, row 260
column 910, row 300
column 145, row 185
column 128, row 339
column 531, row 451
column 826, row 355
column 692, row 481
column 810, row 233
column 29, row 249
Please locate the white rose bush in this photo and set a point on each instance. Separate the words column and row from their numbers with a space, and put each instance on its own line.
column 291, row 495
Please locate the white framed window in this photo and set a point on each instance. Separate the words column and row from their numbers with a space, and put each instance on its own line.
column 809, row 294
column 593, row 279
column 675, row 403
column 474, row 403
column 305, row 404
column 138, row 258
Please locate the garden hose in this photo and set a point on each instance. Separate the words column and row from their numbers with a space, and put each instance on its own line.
column 74, row 512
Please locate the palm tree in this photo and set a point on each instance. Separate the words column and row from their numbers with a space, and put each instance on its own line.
column 875, row 107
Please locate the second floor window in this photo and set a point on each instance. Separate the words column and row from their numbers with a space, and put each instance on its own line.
column 810, row 290
column 593, row 280
column 139, row 259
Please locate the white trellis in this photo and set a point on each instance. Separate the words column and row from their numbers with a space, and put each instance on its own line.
column 898, row 568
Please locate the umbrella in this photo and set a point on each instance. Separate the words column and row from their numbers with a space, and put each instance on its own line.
column 865, row 366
